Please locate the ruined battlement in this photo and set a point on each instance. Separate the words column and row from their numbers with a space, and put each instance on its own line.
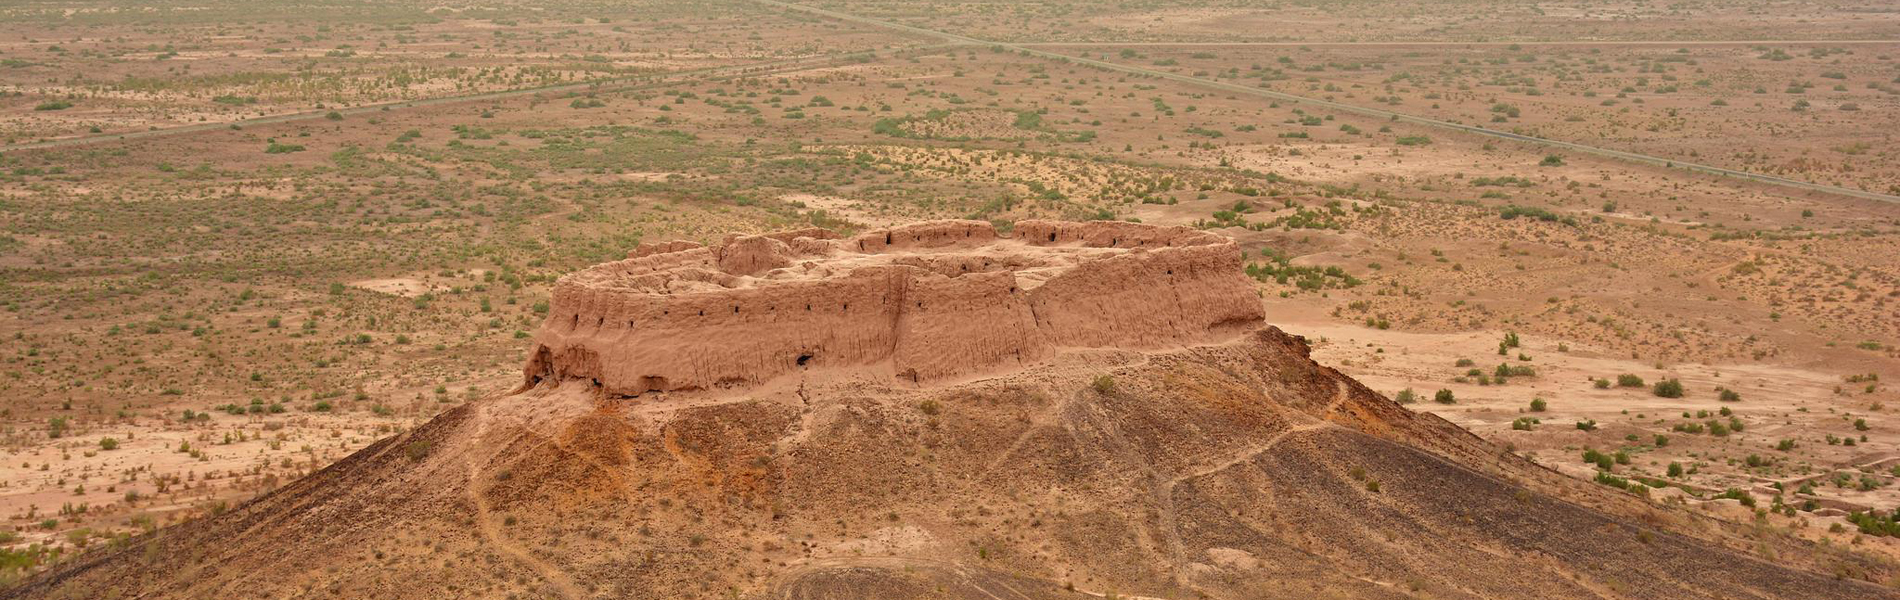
column 920, row 302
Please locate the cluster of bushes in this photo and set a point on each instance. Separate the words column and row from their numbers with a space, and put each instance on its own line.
column 1605, row 461
column 1505, row 181
column 1634, row 487
column 1875, row 523
column 1535, row 212
column 1507, row 370
column 1309, row 278
column 1304, row 218
column 257, row 406
column 1712, row 427
column 1735, row 494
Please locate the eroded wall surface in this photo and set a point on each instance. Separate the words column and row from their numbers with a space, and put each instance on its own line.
column 921, row 302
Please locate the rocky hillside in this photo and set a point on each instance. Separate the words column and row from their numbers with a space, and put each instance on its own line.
column 1236, row 470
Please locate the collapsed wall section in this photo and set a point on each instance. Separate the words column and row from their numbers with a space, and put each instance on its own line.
column 921, row 302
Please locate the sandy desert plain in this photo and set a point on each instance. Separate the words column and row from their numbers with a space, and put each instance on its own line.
column 241, row 240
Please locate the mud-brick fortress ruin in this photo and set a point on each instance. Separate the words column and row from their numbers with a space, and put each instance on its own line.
column 915, row 303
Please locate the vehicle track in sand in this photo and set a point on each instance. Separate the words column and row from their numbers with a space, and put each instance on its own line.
column 485, row 523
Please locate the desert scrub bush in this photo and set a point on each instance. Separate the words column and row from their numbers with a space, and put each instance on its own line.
column 1875, row 523
column 1306, row 278
column 417, row 450
column 1602, row 461
column 1505, row 181
column 1634, row 487
column 1414, row 140
column 53, row 105
column 1627, row 380
column 108, row 444
column 1588, row 425
column 282, row 148
column 1728, row 395
column 1103, row 384
column 1667, row 388
column 1535, row 212
column 1405, row 396
column 1444, row 396
column 1738, row 495
column 1538, row 405
column 1509, row 370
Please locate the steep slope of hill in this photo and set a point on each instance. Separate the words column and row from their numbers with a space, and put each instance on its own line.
column 1240, row 470
column 1217, row 460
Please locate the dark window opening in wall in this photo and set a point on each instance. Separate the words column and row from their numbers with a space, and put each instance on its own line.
column 574, row 323
column 803, row 358
column 629, row 324
column 847, row 306
column 702, row 313
column 1012, row 290
column 1170, row 271
column 735, row 310
column 601, row 322
column 1052, row 236
column 808, row 307
column 887, row 238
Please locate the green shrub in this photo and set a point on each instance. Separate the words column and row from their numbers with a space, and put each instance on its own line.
column 1667, row 388
column 1535, row 212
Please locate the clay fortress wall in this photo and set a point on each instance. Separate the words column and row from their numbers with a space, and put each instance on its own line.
column 918, row 303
